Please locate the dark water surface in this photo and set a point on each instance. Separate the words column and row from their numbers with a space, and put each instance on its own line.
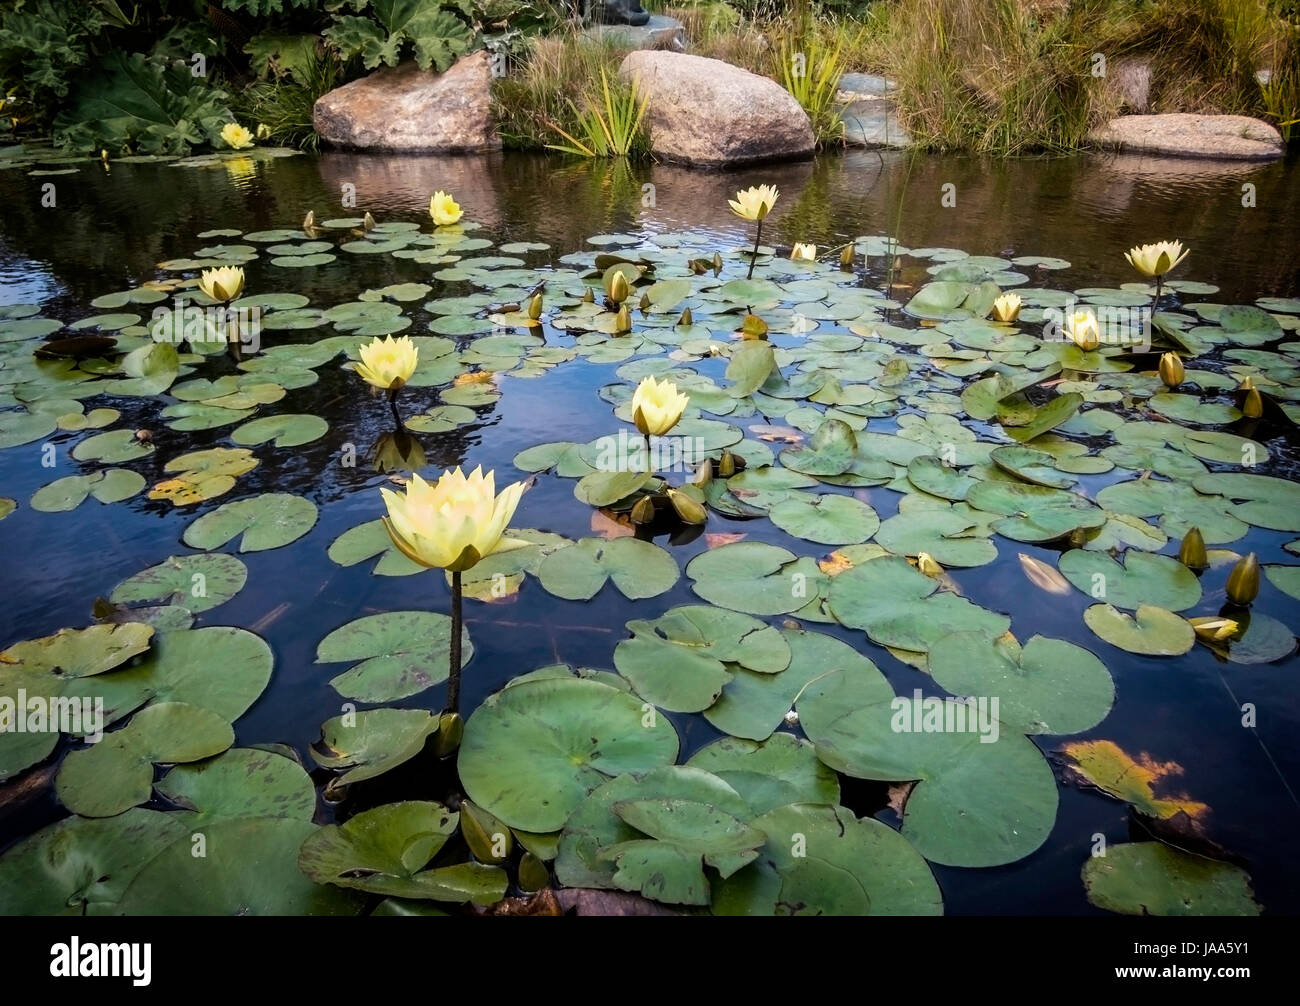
column 108, row 231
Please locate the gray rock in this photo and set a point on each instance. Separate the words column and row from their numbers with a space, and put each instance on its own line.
column 406, row 109
column 709, row 113
column 873, row 122
column 659, row 33
column 866, row 85
column 1222, row 137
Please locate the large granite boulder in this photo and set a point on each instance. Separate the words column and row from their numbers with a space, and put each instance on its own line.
column 408, row 110
column 709, row 113
column 1179, row 134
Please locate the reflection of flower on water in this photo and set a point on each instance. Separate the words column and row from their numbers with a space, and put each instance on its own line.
column 241, row 170
column 397, row 450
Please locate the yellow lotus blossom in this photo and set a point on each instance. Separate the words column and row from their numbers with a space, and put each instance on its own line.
column 754, row 203
column 444, row 209
column 803, row 253
column 1156, row 259
column 1007, row 307
column 453, row 523
column 387, row 363
column 1081, row 326
column 224, row 283
column 263, row 131
column 235, row 136
column 657, row 406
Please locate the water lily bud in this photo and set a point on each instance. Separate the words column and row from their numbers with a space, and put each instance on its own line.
column 643, row 512
column 726, row 465
column 450, row 730
column 367, row 222
column 589, row 297
column 644, row 304
column 309, row 221
column 535, row 307
column 703, row 474
column 1243, row 581
column 1192, row 551
column 103, row 155
column 927, row 565
column 846, row 257
column 688, row 509
column 533, row 874
column 623, row 323
column 1247, row 383
column 1252, row 407
column 687, row 318
column 618, row 288
column 717, row 263
column 1213, row 629
column 487, row 836
column 1171, row 370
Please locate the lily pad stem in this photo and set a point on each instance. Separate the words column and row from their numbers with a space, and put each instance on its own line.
column 392, row 404
column 648, row 468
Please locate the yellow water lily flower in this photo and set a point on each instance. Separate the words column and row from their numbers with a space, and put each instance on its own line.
column 1007, row 307
column 225, row 283
column 1156, row 259
column 803, row 253
column 388, row 362
column 1214, row 629
column 453, row 523
column 755, row 202
column 926, row 563
column 235, row 136
column 1081, row 326
column 657, row 406
column 263, row 131
column 444, row 209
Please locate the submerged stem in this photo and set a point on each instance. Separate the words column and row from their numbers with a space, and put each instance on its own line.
column 453, row 674
column 758, row 235
column 648, row 468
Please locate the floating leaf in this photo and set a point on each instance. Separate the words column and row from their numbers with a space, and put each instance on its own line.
column 532, row 752
column 365, row 541
column 371, row 742
column 1105, row 765
column 1158, row 580
column 639, row 569
column 1150, row 878
column 1153, row 631
column 384, row 851
column 283, row 431
column 828, row 519
column 242, row 782
column 117, row 773
column 267, row 521
column 400, row 653
column 198, row 582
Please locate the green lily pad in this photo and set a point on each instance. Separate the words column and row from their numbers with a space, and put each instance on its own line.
column 371, row 742
column 267, row 521
column 199, row 582
column 843, row 866
column 1150, row 878
column 577, row 572
column 1034, row 513
column 595, row 825
column 368, row 540
column 898, row 606
column 17, row 428
column 950, row 537
column 1158, row 580
column 83, row 866
column 1266, row 501
column 79, row 653
column 112, row 447
column 242, row 782
column 1032, row 465
column 562, row 456
column 753, row 705
column 756, row 578
column 601, row 488
column 828, row 519
column 284, row 431
column 1179, row 507
column 1153, row 631
column 1048, row 687
column 250, row 867
column 385, row 850
column 400, row 653
column 532, row 752
column 781, row 770
column 975, row 803
column 117, row 773
column 681, row 660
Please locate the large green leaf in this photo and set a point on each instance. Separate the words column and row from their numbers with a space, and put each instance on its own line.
column 437, row 36
column 400, row 653
column 533, row 751
column 1150, row 878
column 639, row 569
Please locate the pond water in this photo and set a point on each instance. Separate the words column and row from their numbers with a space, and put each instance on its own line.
column 109, row 231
